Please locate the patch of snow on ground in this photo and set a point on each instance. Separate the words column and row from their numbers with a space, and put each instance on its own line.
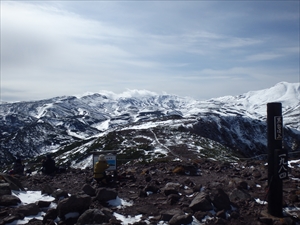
column 119, row 203
column 26, row 220
column 294, row 162
column 293, row 211
column 260, row 201
column 28, row 197
column 129, row 219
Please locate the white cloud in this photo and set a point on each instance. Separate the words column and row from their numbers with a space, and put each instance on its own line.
column 263, row 56
column 67, row 48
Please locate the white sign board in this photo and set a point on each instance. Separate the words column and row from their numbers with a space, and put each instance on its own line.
column 278, row 128
column 111, row 161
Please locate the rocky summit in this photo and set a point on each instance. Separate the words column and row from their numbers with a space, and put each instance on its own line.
column 200, row 191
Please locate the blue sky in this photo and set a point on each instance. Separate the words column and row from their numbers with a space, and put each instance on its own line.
column 199, row 49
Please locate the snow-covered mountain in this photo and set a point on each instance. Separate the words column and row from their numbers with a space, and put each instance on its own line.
column 144, row 124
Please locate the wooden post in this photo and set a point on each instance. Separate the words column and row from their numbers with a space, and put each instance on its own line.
column 275, row 137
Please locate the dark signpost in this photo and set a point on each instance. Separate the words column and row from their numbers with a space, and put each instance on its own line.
column 277, row 158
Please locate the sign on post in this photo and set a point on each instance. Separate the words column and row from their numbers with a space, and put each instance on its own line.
column 110, row 158
column 277, row 168
column 112, row 162
column 281, row 164
column 278, row 131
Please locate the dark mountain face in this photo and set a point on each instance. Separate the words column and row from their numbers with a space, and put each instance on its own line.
column 145, row 127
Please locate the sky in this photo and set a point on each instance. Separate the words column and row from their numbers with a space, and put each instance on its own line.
column 199, row 49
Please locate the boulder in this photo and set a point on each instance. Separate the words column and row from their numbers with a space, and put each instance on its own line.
column 60, row 194
column 47, row 189
column 201, row 202
column 75, row 203
column 221, row 214
column 5, row 189
column 51, row 214
column 242, row 185
column 221, row 200
column 200, row 215
column 239, row 195
column 93, row 216
column 171, row 188
column 173, row 199
column 89, row 190
column 43, row 204
column 14, row 183
column 170, row 191
column 166, row 215
column 12, row 218
column 28, row 210
column 143, row 194
column 220, row 221
column 151, row 188
column 35, row 221
column 173, row 185
column 105, row 194
column 9, row 200
column 181, row 219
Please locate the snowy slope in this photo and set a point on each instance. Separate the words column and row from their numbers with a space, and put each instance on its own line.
column 254, row 104
column 32, row 128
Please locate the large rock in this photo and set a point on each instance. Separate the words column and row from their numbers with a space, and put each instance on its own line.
column 75, row 203
column 9, row 200
column 239, row 195
column 93, row 216
column 221, row 200
column 43, row 204
column 181, row 219
column 166, row 215
column 60, row 194
column 201, row 202
column 51, row 215
column 89, row 190
column 47, row 189
column 14, row 183
column 12, row 218
column 171, row 188
column 28, row 210
column 106, row 194
column 173, row 199
column 5, row 189
column 151, row 188
column 200, row 215
column 170, row 191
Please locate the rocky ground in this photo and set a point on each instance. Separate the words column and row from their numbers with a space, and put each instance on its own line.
column 160, row 188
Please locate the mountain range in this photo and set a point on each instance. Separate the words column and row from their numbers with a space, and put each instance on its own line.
column 143, row 125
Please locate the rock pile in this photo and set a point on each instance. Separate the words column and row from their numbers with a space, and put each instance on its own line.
column 205, row 192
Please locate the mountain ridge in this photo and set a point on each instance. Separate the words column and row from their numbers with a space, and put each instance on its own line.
column 37, row 127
